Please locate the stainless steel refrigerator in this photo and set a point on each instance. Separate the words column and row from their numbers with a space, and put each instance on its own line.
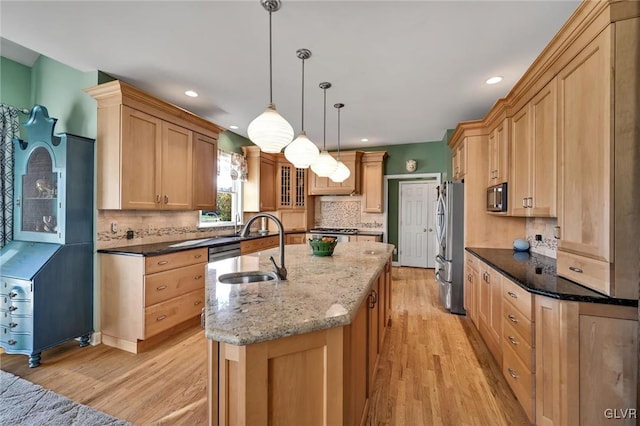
column 450, row 236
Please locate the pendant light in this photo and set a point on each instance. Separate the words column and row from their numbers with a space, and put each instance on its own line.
column 325, row 164
column 342, row 172
column 302, row 152
column 270, row 131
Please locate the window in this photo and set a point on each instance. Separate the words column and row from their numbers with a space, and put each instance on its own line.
column 229, row 199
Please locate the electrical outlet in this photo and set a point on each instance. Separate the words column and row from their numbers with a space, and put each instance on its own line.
column 538, row 237
column 114, row 227
column 130, row 234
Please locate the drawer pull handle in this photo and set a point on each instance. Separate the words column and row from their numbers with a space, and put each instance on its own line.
column 13, row 308
column 513, row 340
column 12, row 325
column 512, row 318
column 197, row 277
column 512, row 294
column 163, row 262
column 197, row 302
column 161, row 287
column 161, row 317
column 512, row 373
column 197, row 256
column 12, row 342
column 13, row 294
column 574, row 269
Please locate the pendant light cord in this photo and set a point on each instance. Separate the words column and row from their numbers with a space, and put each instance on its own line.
column 339, row 133
column 324, row 138
column 270, row 64
column 302, row 95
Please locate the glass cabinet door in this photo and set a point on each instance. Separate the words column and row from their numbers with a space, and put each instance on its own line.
column 40, row 194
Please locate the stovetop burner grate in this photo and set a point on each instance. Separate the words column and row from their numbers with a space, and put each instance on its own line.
column 335, row 230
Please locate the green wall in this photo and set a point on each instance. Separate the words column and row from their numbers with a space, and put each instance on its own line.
column 232, row 142
column 60, row 89
column 15, row 86
column 431, row 157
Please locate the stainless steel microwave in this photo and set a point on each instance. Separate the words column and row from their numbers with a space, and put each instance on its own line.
column 497, row 198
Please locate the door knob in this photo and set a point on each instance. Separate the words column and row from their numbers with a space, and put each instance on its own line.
column 430, row 230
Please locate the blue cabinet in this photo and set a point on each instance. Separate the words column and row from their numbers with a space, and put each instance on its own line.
column 46, row 273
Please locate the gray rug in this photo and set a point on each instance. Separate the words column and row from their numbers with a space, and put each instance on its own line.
column 25, row 403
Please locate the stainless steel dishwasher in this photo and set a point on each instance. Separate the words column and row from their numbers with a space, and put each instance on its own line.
column 221, row 252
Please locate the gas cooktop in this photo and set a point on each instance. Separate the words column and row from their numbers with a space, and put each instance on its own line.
column 349, row 231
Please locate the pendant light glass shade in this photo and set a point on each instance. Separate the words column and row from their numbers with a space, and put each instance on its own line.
column 341, row 174
column 324, row 165
column 270, row 131
column 301, row 152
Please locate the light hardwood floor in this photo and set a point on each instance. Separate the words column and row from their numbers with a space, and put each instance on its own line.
column 434, row 370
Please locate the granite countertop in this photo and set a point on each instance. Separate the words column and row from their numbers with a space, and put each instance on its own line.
column 320, row 292
column 537, row 274
column 156, row 249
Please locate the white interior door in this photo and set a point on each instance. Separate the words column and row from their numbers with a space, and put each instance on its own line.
column 416, row 230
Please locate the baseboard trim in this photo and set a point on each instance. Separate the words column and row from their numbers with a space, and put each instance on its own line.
column 96, row 338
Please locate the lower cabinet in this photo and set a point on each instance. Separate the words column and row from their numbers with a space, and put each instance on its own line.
column 295, row 239
column 490, row 310
column 144, row 297
column 259, row 244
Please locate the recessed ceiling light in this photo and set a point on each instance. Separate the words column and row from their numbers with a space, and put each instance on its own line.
column 364, row 140
column 494, row 80
column 191, row 93
column 233, row 127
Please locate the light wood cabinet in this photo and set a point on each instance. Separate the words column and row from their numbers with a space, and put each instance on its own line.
column 372, row 181
column 471, row 287
column 325, row 186
column 459, row 161
column 374, row 238
column 295, row 239
column 373, row 342
column 585, row 145
column 259, row 244
column 532, row 187
column 259, row 192
column 499, row 153
column 292, row 186
column 205, row 154
column 586, row 362
column 518, row 341
column 145, row 150
column 144, row 298
column 490, row 310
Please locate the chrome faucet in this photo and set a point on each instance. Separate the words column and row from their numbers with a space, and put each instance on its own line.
column 281, row 271
column 236, row 224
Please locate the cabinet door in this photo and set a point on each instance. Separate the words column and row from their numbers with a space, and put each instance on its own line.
column 177, row 166
column 471, row 297
column 284, row 179
column 493, row 158
column 373, row 342
column 356, row 390
column 520, row 162
column 544, row 153
column 484, row 302
column 502, row 152
column 267, row 185
column 495, row 280
column 584, row 120
column 462, row 160
column 205, row 153
column 141, row 160
column 372, row 187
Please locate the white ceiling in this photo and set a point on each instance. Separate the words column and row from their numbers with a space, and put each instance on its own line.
column 406, row 70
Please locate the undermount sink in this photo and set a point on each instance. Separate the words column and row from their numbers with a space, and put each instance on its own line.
column 247, row 277
column 189, row 243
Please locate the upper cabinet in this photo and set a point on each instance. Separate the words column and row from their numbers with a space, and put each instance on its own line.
column 292, row 185
column 259, row 193
column 499, row 150
column 459, row 160
column 372, row 181
column 145, row 151
column 325, row 186
column 205, row 155
column 532, row 186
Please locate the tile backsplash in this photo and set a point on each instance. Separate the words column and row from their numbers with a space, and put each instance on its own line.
column 542, row 226
column 345, row 212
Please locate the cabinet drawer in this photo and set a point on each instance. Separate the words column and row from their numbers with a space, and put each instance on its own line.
column 472, row 261
column 169, row 284
column 258, row 244
column 165, row 262
column 592, row 273
column 16, row 324
column 162, row 316
column 518, row 343
column 519, row 297
column 518, row 322
column 520, row 379
column 12, row 341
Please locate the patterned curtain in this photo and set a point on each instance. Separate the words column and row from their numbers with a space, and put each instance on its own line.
column 235, row 165
column 9, row 129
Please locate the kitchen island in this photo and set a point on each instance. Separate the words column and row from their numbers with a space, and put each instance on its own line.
column 300, row 351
